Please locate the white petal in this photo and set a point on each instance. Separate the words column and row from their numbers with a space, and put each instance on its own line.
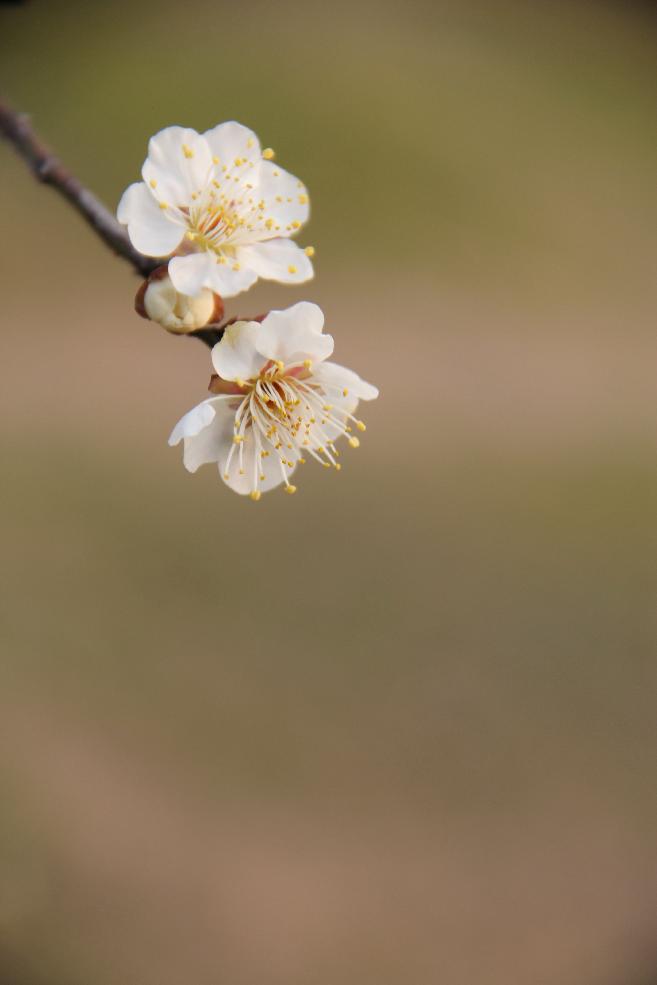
column 270, row 467
column 235, row 357
column 295, row 334
column 341, row 378
column 285, row 198
column 226, row 281
column 179, row 162
column 150, row 230
column 191, row 273
column 207, row 431
column 231, row 141
column 277, row 259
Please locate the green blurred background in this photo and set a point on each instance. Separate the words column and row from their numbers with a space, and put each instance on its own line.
column 400, row 728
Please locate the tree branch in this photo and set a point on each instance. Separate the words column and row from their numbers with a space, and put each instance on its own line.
column 49, row 170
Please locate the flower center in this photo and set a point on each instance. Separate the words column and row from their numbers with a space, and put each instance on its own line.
column 286, row 412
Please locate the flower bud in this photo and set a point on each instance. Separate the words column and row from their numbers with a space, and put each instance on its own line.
column 158, row 300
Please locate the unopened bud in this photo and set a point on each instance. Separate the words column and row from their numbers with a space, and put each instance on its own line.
column 158, row 300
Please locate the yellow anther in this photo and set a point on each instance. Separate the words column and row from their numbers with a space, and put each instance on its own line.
column 164, row 205
column 250, row 142
column 361, row 426
column 190, row 235
column 296, row 224
column 345, row 392
column 279, row 198
column 268, row 154
column 236, row 267
column 308, row 363
column 240, row 382
column 255, row 495
column 276, row 174
column 302, row 461
column 215, row 160
column 217, row 184
column 238, row 439
column 279, row 364
column 290, row 489
column 309, row 251
column 291, row 269
column 327, row 465
column 269, row 224
column 241, row 471
column 187, row 151
column 153, row 183
column 226, row 476
column 354, row 442
column 303, row 199
column 262, row 477
column 327, row 407
column 337, row 466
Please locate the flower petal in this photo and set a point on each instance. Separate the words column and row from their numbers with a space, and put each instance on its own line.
column 179, row 163
column 191, row 273
column 150, row 230
column 253, row 468
column 285, row 197
column 276, row 259
column 235, row 357
column 227, row 281
column 295, row 334
column 207, row 432
column 230, row 142
column 341, row 378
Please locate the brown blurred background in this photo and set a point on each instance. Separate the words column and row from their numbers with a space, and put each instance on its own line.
column 400, row 728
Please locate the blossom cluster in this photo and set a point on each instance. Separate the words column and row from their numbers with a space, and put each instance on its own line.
column 220, row 214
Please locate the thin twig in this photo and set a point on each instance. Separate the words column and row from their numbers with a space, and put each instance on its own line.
column 49, row 170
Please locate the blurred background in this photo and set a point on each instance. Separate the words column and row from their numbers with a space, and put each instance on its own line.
column 400, row 728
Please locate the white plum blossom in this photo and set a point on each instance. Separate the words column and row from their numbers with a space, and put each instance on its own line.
column 277, row 401
column 222, row 206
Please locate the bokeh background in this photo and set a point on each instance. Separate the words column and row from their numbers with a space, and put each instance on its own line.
column 400, row 728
